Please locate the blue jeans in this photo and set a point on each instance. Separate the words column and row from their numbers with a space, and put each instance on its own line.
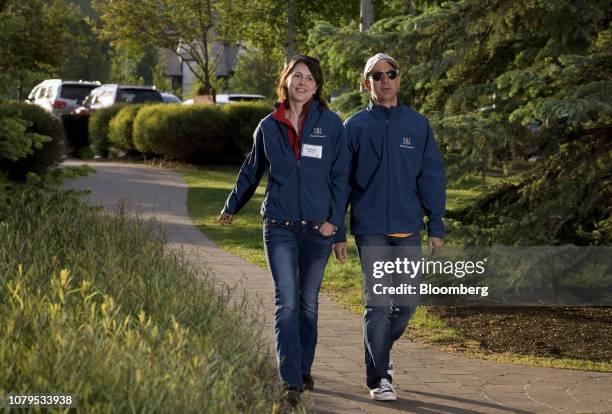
column 297, row 254
column 383, row 325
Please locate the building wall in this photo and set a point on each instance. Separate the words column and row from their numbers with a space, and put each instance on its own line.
column 177, row 69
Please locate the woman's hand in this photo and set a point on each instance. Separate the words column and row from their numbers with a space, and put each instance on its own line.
column 327, row 229
column 340, row 251
column 225, row 218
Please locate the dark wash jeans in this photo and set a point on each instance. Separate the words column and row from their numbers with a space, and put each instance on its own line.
column 297, row 254
column 383, row 325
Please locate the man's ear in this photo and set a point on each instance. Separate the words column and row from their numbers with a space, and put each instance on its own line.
column 366, row 84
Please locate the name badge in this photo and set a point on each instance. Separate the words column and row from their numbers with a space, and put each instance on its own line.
column 314, row 151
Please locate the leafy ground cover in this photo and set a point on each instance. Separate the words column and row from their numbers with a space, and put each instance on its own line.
column 97, row 306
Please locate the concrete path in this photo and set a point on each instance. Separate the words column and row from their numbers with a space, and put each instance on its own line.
column 427, row 380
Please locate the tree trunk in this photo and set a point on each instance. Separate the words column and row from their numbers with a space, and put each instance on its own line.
column 206, row 68
column 290, row 44
column 366, row 18
column 366, row 15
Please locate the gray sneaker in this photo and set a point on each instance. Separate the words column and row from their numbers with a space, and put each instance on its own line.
column 384, row 391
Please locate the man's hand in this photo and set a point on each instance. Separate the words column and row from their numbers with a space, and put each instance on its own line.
column 327, row 229
column 225, row 218
column 434, row 245
column 340, row 251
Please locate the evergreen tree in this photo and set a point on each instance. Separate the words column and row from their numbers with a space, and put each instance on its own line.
column 501, row 81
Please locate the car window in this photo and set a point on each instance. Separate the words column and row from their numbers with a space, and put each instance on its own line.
column 75, row 92
column 89, row 99
column 138, row 95
column 32, row 94
column 41, row 93
column 105, row 96
column 171, row 98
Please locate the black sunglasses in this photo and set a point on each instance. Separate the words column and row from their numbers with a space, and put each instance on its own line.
column 391, row 74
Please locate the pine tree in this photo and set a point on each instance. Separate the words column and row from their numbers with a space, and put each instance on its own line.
column 501, row 81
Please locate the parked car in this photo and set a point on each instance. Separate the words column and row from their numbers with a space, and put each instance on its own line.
column 225, row 98
column 60, row 97
column 170, row 98
column 108, row 95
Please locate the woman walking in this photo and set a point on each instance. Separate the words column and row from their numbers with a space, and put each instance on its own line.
column 303, row 146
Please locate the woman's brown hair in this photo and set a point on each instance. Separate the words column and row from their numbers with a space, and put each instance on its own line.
column 315, row 69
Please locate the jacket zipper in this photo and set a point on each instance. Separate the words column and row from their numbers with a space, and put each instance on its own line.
column 299, row 176
column 386, row 143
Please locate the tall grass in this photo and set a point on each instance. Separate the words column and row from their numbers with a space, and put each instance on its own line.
column 97, row 306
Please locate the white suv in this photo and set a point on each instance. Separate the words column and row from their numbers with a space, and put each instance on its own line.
column 60, row 97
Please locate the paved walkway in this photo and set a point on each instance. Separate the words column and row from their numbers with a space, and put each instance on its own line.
column 428, row 381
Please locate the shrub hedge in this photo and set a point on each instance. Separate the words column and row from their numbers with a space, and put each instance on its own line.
column 41, row 123
column 120, row 128
column 99, row 121
column 242, row 119
column 197, row 134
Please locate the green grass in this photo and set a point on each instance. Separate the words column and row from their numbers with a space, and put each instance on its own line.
column 208, row 190
column 97, row 306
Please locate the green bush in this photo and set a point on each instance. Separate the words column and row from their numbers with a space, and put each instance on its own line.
column 120, row 128
column 99, row 121
column 99, row 307
column 23, row 129
column 193, row 134
column 350, row 102
column 242, row 119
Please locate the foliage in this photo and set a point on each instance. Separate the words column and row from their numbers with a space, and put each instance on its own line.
column 530, row 212
column 161, row 82
column 121, row 126
column 197, row 133
column 119, row 331
column 182, row 26
column 343, row 52
column 87, row 55
column 350, row 102
column 31, row 140
column 264, row 23
column 256, row 72
column 15, row 141
column 501, row 82
column 132, row 63
column 241, row 119
column 98, row 128
column 37, row 39
column 484, row 72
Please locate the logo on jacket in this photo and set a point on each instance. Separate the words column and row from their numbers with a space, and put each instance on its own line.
column 317, row 133
column 407, row 143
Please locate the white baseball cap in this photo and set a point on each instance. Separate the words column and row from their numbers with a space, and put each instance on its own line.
column 377, row 58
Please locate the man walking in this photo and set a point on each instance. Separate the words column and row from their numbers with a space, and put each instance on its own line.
column 397, row 178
